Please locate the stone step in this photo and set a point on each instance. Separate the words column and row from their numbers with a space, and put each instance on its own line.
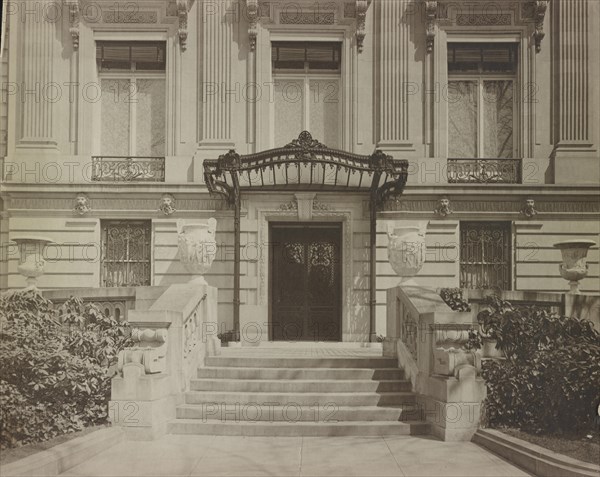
column 298, row 386
column 300, row 399
column 300, row 373
column 293, row 413
column 282, row 429
column 317, row 362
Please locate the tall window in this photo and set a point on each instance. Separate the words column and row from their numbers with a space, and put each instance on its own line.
column 307, row 91
column 481, row 100
column 485, row 255
column 125, row 254
column 132, row 81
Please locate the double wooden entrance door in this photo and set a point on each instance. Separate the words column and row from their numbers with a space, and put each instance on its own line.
column 306, row 292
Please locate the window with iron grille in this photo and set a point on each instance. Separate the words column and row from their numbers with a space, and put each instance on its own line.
column 126, row 253
column 482, row 89
column 307, row 90
column 132, row 79
column 485, row 255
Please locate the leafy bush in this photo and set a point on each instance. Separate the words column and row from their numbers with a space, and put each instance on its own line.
column 54, row 366
column 454, row 299
column 549, row 379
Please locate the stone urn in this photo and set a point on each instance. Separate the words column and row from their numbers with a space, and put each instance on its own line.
column 406, row 250
column 31, row 263
column 197, row 247
column 574, row 266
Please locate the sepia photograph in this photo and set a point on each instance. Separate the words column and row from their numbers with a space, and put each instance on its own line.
column 319, row 238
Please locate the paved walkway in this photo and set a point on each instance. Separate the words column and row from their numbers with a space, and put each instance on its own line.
column 175, row 455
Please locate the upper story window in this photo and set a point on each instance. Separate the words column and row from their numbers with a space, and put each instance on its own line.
column 481, row 100
column 307, row 84
column 133, row 107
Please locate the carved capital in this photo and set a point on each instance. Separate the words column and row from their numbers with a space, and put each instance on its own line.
column 431, row 10
column 183, row 8
column 361, row 15
column 74, row 15
column 252, row 15
column 539, row 9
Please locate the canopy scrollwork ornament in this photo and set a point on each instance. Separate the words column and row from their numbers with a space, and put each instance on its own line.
column 306, row 164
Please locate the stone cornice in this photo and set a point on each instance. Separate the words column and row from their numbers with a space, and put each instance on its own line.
column 358, row 11
column 581, row 191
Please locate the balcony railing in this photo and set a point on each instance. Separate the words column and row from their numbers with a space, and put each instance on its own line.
column 128, row 169
column 469, row 171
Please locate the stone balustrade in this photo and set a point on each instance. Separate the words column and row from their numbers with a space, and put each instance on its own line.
column 428, row 339
column 175, row 334
column 113, row 301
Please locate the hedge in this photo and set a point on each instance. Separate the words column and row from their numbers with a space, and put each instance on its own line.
column 55, row 366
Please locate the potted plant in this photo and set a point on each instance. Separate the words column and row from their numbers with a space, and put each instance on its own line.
column 229, row 338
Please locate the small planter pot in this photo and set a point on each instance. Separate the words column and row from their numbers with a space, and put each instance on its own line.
column 389, row 347
column 489, row 350
column 231, row 344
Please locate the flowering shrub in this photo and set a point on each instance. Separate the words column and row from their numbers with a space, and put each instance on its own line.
column 549, row 379
column 54, row 366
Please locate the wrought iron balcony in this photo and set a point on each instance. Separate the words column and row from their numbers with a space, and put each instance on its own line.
column 470, row 171
column 128, row 169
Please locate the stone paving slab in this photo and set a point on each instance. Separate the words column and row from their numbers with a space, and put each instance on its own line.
column 291, row 351
column 178, row 455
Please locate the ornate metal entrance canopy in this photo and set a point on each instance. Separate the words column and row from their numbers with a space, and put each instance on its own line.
column 305, row 164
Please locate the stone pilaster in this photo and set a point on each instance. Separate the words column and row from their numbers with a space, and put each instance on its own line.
column 575, row 152
column 218, row 19
column 394, row 18
column 35, row 71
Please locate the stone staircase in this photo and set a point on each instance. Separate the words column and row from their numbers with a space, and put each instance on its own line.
column 338, row 392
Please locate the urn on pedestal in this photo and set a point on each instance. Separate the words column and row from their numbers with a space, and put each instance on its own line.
column 406, row 250
column 197, row 247
column 31, row 263
column 574, row 266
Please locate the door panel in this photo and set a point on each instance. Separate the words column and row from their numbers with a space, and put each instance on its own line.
column 305, row 282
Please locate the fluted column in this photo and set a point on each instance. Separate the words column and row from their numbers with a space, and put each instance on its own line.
column 394, row 22
column 575, row 57
column 218, row 19
column 38, row 93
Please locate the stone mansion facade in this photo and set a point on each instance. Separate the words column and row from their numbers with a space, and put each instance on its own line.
column 111, row 108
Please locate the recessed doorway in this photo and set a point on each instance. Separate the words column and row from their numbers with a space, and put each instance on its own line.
column 305, row 282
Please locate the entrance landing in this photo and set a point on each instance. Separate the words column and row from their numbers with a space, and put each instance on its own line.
column 276, row 349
